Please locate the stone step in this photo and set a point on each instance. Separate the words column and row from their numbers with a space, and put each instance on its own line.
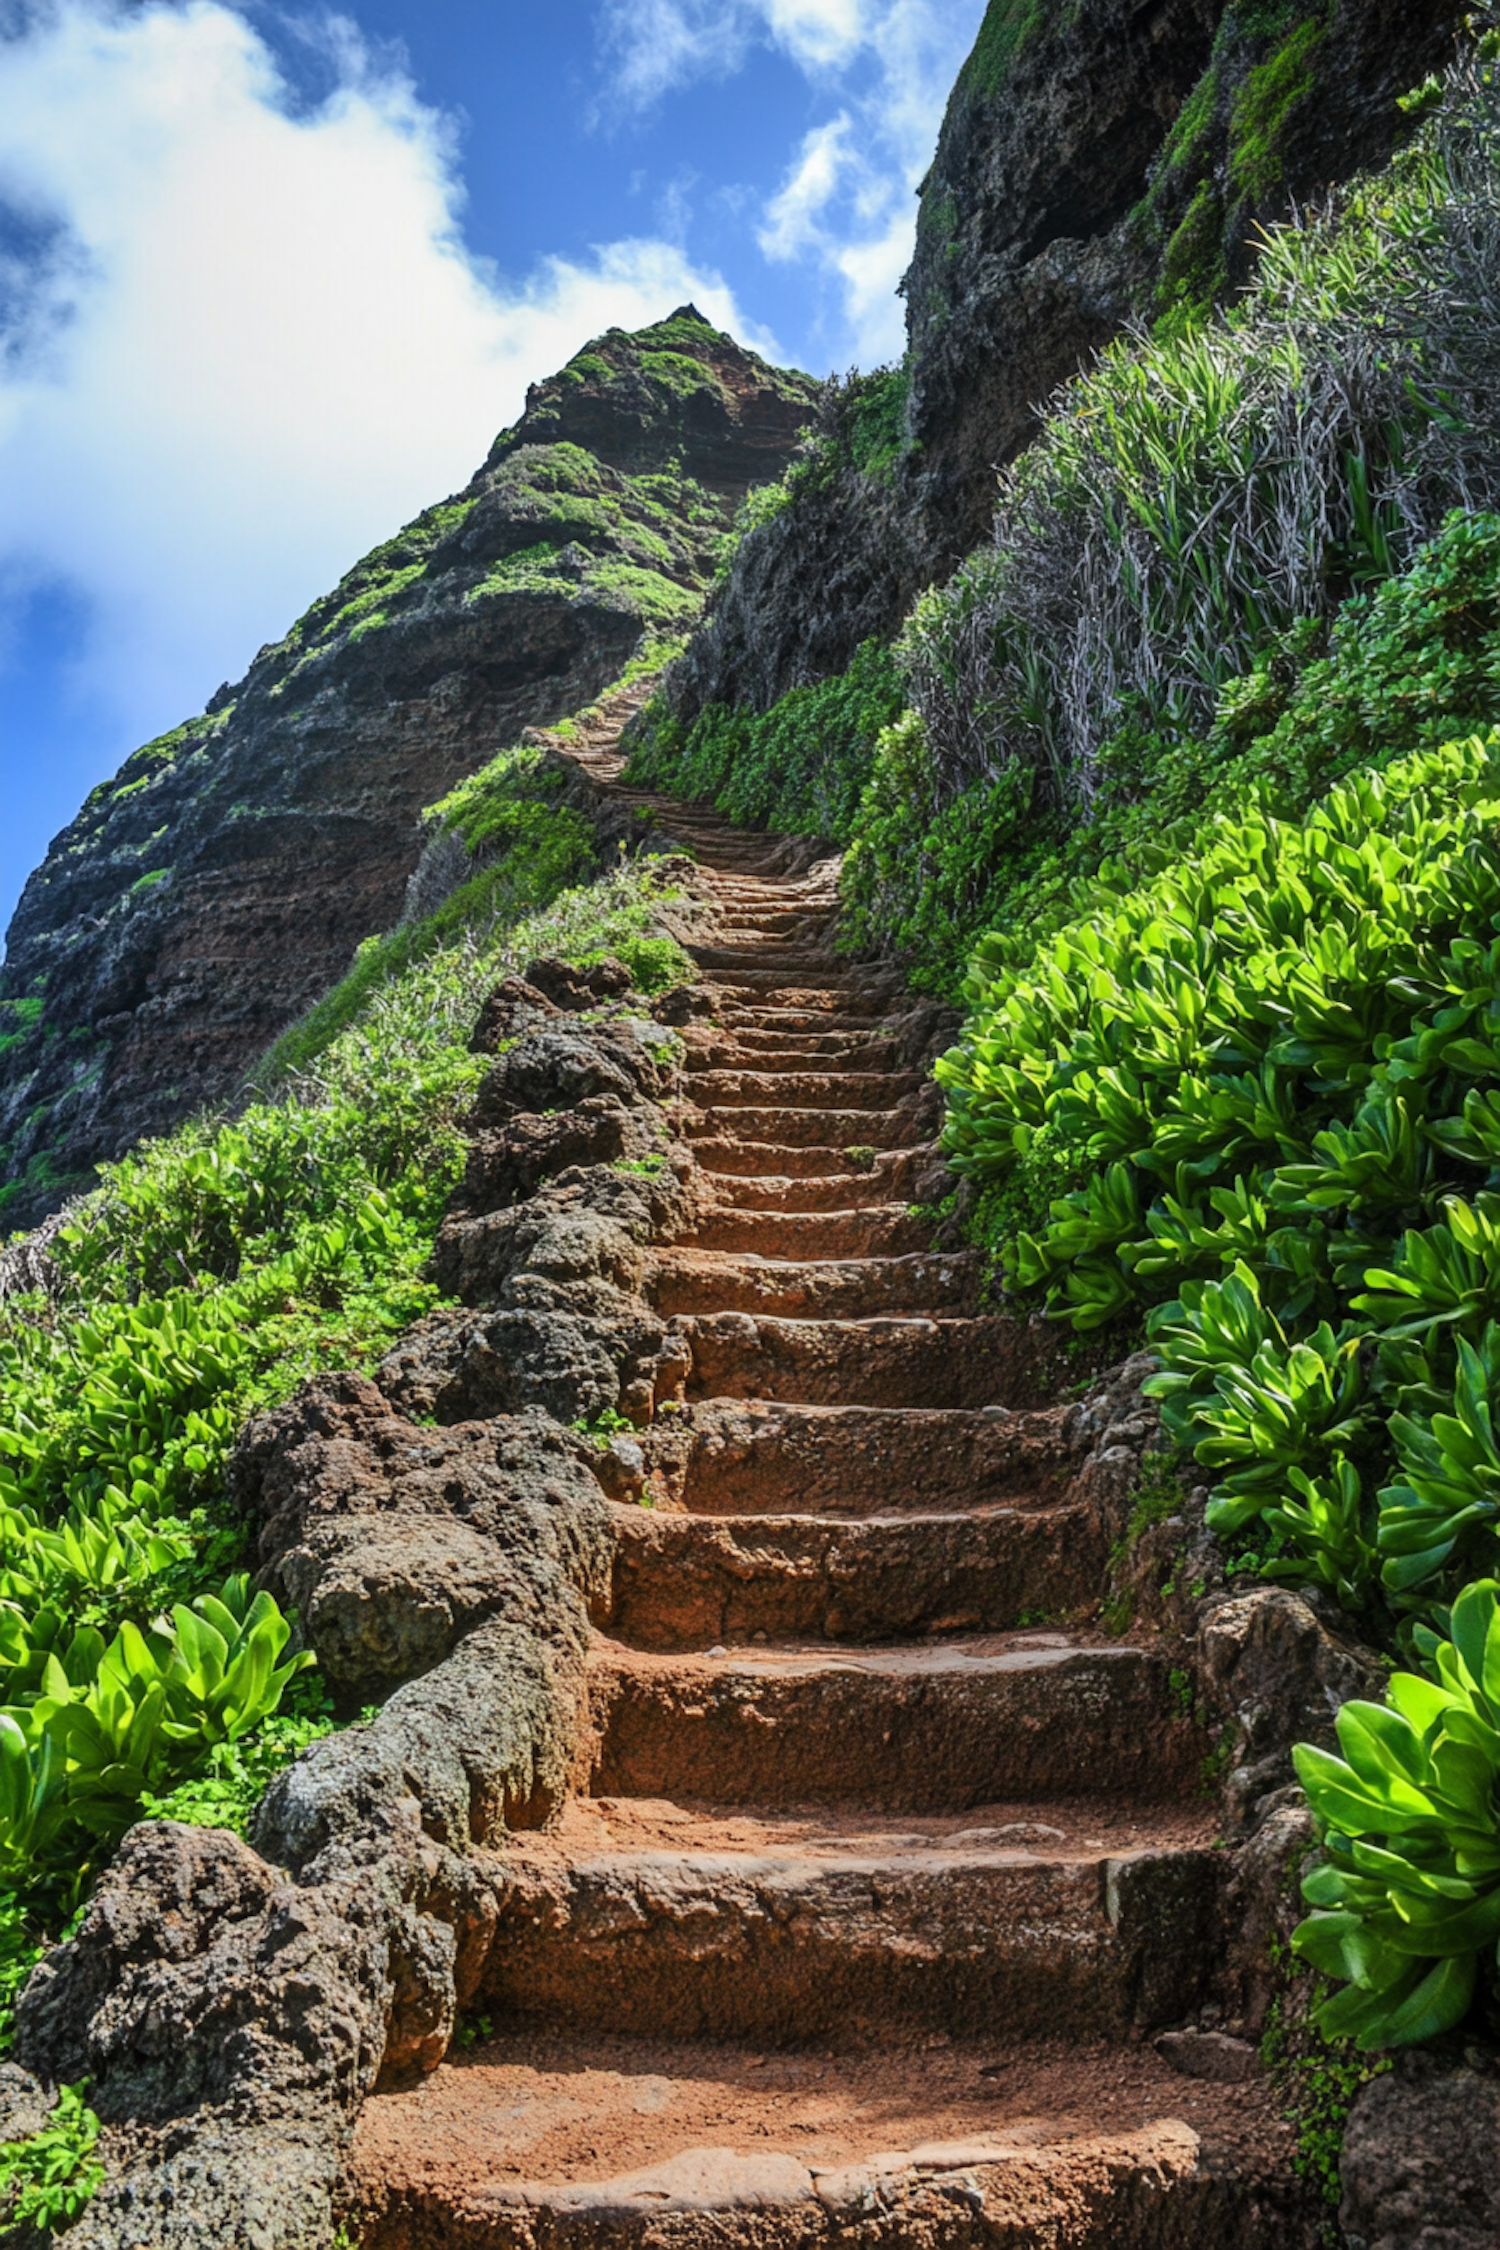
column 723, row 1153
column 742, row 1017
column 796, row 1943
column 791, row 1127
column 855, row 1362
column 873, row 1231
column 757, row 1456
column 920, row 1729
column 863, row 1090
column 787, row 962
column 712, row 1281
column 892, row 1172
column 683, row 1582
column 559, row 2140
column 823, row 1050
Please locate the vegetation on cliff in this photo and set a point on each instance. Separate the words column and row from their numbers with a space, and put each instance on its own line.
column 594, row 523
column 1229, row 1064
column 204, row 1279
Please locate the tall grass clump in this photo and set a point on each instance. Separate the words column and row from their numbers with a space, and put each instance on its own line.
column 1191, row 500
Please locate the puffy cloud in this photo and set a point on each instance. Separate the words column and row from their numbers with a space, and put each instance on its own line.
column 241, row 338
column 844, row 207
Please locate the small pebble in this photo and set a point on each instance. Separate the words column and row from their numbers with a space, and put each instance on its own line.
column 718, row 1649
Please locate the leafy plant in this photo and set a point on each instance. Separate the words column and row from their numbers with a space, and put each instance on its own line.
column 1407, row 1899
column 47, row 2180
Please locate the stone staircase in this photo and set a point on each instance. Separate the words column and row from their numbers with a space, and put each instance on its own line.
column 876, row 1885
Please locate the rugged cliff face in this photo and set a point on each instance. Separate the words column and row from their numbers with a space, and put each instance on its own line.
column 1099, row 163
column 1113, row 160
column 210, row 892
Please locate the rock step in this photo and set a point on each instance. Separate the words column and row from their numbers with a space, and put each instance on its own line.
column 826, row 1050
column 791, row 1127
column 751, row 1159
column 790, row 963
column 817, row 1191
column 712, row 1281
column 545, row 2140
column 753, row 982
column 803, row 1089
column 873, row 1231
column 757, row 1456
column 922, row 1729
column 690, row 1581
column 793, row 1944
column 853, row 1362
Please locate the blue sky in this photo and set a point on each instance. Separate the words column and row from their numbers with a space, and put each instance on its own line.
column 271, row 277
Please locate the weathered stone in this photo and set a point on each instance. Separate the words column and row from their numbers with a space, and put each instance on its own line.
column 393, row 1541
column 575, row 988
column 511, row 1010
column 281, row 828
column 1421, row 2163
column 1279, row 1674
column 1209, row 2054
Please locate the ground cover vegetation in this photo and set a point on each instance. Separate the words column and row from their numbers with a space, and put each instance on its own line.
column 1230, row 1075
column 1197, row 511
column 206, row 1275
column 800, row 765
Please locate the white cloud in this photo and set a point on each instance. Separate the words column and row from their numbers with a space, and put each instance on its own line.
column 845, row 205
column 246, row 339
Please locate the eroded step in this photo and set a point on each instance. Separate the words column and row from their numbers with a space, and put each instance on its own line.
column 1012, row 1935
column 791, row 1127
column 689, row 1581
column 688, row 1281
column 836, row 1090
column 553, row 2140
column 892, row 1171
column 921, row 1729
column 756, row 1456
column 878, row 1230
column 856, row 1362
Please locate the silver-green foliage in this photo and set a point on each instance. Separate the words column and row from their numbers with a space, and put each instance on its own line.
column 1193, row 493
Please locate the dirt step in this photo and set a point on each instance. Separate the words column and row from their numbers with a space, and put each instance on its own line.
column 841, row 1190
column 545, row 2140
column 855, row 1362
column 874, row 1231
column 712, row 1281
column 757, row 1456
column 791, row 1127
column 741, row 1019
column 864, row 1090
column 791, row 963
column 720, row 1153
column 986, row 1934
column 826, row 1050
column 688, row 1581
column 918, row 1729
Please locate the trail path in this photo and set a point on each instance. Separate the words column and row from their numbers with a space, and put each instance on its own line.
column 874, row 1892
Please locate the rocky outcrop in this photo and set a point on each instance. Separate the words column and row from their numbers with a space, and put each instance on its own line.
column 1074, row 147
column 233, row 2004
column 1097, row 164
column 219, row 884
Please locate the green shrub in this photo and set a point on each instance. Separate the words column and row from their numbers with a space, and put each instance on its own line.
column 1412, row 664
column 1406, row 1902
column 799, row 768
column 46, row 2181
column 1192, row 502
